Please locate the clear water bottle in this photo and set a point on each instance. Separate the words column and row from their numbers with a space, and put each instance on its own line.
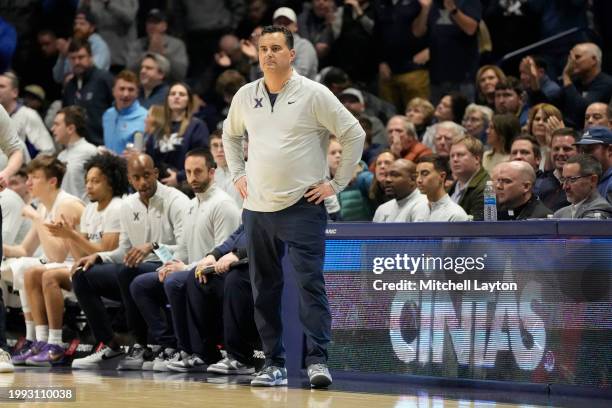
column 490, row 202
column 163, row 252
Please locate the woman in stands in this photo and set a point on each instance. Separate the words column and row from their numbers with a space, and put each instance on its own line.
column 502, row 131
column 180, row 133
column 543, row 120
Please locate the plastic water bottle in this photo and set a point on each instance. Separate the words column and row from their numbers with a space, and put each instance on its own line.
column 490, row 202
column 163, row 252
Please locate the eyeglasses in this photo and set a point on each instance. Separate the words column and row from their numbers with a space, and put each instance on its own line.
column 573, row 179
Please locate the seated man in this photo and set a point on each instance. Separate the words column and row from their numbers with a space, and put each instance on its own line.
column 431, row 175
column 106, row 180
column 471, row 178
column 408, row 204
column 514, row 183
column 45, row 174
column 597, row 142
column 580, row 176
column 239, row 329
column 210, row 218
column 152, row 216
column 403, row 139
column 223, row 178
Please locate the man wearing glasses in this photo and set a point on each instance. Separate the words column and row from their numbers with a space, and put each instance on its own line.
column 580, row 176
column 597, row 142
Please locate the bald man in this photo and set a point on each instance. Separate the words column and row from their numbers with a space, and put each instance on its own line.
column 597, row 114
column 408, row 204
column 152, row 216
column 513, row 183
column 584, row 82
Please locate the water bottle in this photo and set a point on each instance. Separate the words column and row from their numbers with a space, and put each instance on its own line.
column 490, row 202
column 163, row 252
column 139, row 141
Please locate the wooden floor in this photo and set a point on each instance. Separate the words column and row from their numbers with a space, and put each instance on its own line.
column 164, row 390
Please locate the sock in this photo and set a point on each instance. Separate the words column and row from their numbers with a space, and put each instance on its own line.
column 42, row 333
column 55, row 336
column 30, row 332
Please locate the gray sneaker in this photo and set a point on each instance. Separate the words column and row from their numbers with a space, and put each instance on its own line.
column 319, row 376
column 187, row 364
column 168, row 355
column 270, row 376
column 230, row 366
column 133, row 359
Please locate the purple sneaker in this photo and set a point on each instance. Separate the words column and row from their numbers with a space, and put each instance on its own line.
column 47, row 356
column 29, row 349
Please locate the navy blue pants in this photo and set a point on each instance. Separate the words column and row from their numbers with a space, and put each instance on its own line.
column 240, row 331
column 111, row 281
column 150, row 298
column 301, row 228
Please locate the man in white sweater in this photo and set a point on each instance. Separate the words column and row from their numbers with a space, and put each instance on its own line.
column 288, row 119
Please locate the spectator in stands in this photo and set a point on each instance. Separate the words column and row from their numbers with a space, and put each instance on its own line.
column 116, row 23
column 28, row 123
column 45, row 175
column 353, row 100
column 353, row 30
column 508, row 99
column 157, row 41
column 89, row 87
column 403, row 140
column 584, row 82
column 471, row 178
column 453, row 44
column 536, row 83
column 487, row 78
column 69, row 129
column 431, row 178
column 181, row 133
column 420, row 112
column 580, row 177
column 476, row 121
column 8, row 44
column 353, row 199
column 239, row 330
column 549, row 187
column 34, row 96
column 203, row 22
column 17, row 183
column 47, row 57
column 402, row 57
column 450, row 108
column 97, row 230
column 152, row 215
column 259, row 14
column 315, row 25
column 154, row 69
column 223, row 179
column 84, row 30
column 208, row 221
column 543, row 119
column 502, row 131
column 126, row 116
column 377, row 194
column 597, row 142
column 526, row 148
column 514, row 182
column 306, row 62
column 228, row 83
column 407, row 203
column 446, row 132
column 598, row 114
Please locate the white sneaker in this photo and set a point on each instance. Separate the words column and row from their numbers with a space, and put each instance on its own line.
column 105, row 358
column 134, row 358
column 230, row 366
column 6, row 365
column 166, row 356
column 319, row 375
column 187, row 364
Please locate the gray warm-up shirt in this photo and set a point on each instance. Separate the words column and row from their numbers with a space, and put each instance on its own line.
column 288, row 141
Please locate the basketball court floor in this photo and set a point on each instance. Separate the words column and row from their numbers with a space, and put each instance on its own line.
column 115, row 389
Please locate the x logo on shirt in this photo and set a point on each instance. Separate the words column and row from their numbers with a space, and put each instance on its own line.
column 136, row 216
column 258, row 103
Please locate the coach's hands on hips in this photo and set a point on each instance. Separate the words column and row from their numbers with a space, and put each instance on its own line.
column 241, row 186
column 319, row 193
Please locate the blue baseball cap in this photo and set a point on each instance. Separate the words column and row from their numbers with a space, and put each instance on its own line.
column 596, row 135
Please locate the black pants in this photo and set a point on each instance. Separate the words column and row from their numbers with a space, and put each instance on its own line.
column 111, row 281
column 3, row 344
column 300, row 227
column 240, row 331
